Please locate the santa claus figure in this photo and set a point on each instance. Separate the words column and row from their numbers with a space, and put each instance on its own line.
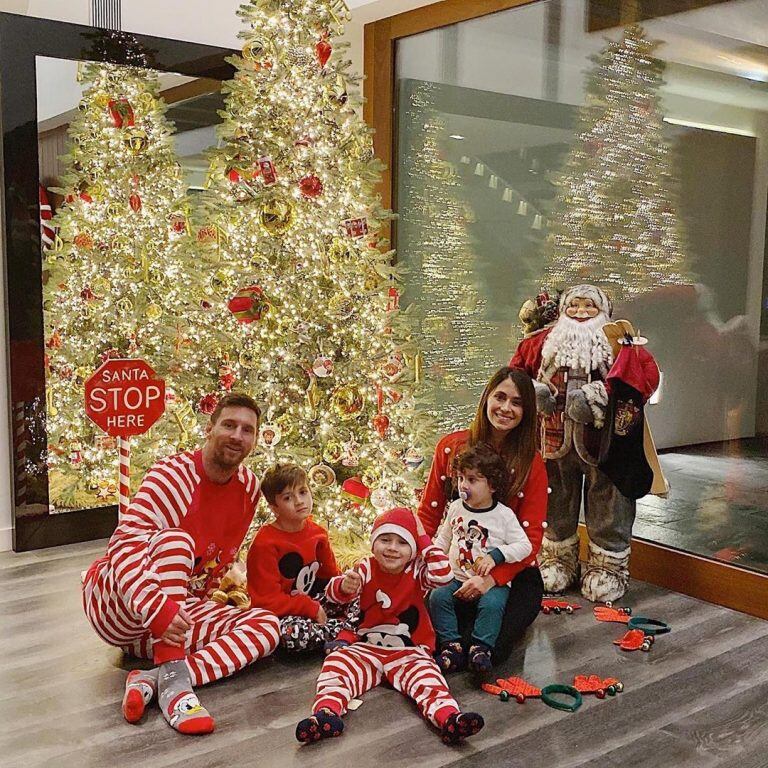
column 570, row 361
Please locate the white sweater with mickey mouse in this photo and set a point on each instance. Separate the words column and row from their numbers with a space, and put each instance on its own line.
column 467, row 534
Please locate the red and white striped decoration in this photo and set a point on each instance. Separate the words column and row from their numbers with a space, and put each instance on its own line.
column 20, row 454
column 47, row 232
column 124, row 448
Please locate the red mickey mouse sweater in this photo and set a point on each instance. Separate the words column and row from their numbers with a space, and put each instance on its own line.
column 283, row 568
column 392, row 610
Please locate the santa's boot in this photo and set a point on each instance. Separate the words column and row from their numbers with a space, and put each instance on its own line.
column 605, row 577
column 559, row 563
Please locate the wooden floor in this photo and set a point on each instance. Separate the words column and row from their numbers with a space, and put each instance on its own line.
column 698, row 699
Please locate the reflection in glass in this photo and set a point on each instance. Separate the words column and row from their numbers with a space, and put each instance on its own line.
column 514, row 96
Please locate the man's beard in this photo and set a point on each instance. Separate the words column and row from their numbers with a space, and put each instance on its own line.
column 581, row 345
column 224, row 460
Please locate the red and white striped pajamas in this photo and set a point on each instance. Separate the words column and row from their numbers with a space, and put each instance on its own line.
column 394, row 638
column 153, row 567
column 355, row 669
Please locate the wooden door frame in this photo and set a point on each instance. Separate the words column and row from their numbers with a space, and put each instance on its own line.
column 704, row 578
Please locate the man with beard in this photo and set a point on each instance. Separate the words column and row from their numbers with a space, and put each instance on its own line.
column 149, row 594
column 570, row 361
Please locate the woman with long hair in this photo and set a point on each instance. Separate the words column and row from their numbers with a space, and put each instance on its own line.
column 505, row 421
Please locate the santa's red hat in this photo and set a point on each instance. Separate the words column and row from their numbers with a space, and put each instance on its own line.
column 399, row 520
column 636, row 367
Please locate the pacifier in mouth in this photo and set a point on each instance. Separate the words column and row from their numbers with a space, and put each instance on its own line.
column 463, row 495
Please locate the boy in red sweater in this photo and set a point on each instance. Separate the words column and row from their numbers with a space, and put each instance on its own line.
column 394, row 640
column 291, row 561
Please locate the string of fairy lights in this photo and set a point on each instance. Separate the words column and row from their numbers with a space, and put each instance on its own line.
column 275, row 282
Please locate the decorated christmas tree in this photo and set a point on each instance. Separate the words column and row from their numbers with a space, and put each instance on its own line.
column 447, row 304
column 313, row 329
column 615, row 222
column 117, row 280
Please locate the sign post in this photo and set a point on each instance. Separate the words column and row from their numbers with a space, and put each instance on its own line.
column 124, row 398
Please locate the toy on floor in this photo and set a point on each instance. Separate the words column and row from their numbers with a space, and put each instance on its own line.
column 635, row 640
column 642, row 630
column 518, row 689
column 556, row 605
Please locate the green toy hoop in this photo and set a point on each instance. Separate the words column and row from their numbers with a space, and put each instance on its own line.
column 568, row 690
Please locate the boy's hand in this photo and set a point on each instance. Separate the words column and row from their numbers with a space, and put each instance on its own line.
column 322, row 616
column 352, row 583
column 484, row 565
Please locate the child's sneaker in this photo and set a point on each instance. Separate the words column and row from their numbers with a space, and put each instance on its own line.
column 324, row 724
column 452, row 658
column 459, row 726
column 480, row 658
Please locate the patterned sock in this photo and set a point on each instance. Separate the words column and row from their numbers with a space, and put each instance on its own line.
column 459, row 726
column 324, row 724
column 480, row 658
column 140, row 689
column 179, row 705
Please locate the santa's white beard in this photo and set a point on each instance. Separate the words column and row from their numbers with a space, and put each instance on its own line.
column 572, row 344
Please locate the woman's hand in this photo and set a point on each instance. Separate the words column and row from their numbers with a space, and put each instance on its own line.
column 484, row 565
column 474, row 587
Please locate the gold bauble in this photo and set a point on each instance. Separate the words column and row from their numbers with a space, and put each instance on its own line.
column 277, row 215
column 321, row 476
column 371, row 476
column 154, row 312
column 115, row 210
column 332, row 451
column 124, row 305
column 136, row 139
column 218, row 280
column 247, row 359
column 339, row 251
column 146, row 101
column 347, row 401
column 102, row 100
column 342, row 306
column 254, row 51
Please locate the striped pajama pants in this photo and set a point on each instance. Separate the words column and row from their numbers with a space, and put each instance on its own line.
column 351, row 671
column 223, row 639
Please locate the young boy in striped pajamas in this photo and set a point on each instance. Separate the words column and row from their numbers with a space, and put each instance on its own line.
column 394, row 640
column 149, row 594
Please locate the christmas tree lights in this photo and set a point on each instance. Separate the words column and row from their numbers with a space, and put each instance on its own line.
column 615, row 222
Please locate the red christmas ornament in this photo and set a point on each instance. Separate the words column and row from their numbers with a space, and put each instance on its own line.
column 110, row 354
column 178, row 222
column 226, row 377
column 55, row 341
column 381, row 424
column 233, row 175
column 121, row 112
column 248, row 304
column 311, row 186
column 135, row 202
column 87, row 294
column 207, row 404
column 323, row 50
column 355, row 489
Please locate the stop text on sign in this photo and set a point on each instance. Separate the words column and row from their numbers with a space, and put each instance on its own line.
column 124, row 397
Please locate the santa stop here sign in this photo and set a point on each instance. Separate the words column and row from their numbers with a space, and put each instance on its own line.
column 124, row 397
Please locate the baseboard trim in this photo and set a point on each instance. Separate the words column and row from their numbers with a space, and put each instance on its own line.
column 6, row 539
column 696, row 576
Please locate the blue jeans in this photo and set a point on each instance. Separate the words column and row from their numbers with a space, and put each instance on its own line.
column 490, row 612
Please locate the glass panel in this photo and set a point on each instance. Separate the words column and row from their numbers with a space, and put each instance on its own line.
column 491, row 119
column 120, row 169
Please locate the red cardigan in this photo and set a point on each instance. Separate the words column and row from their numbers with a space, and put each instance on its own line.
column 530, row 505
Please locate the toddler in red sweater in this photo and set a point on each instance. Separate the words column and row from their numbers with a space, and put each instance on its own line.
column 394, row 640
column 291, row 561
